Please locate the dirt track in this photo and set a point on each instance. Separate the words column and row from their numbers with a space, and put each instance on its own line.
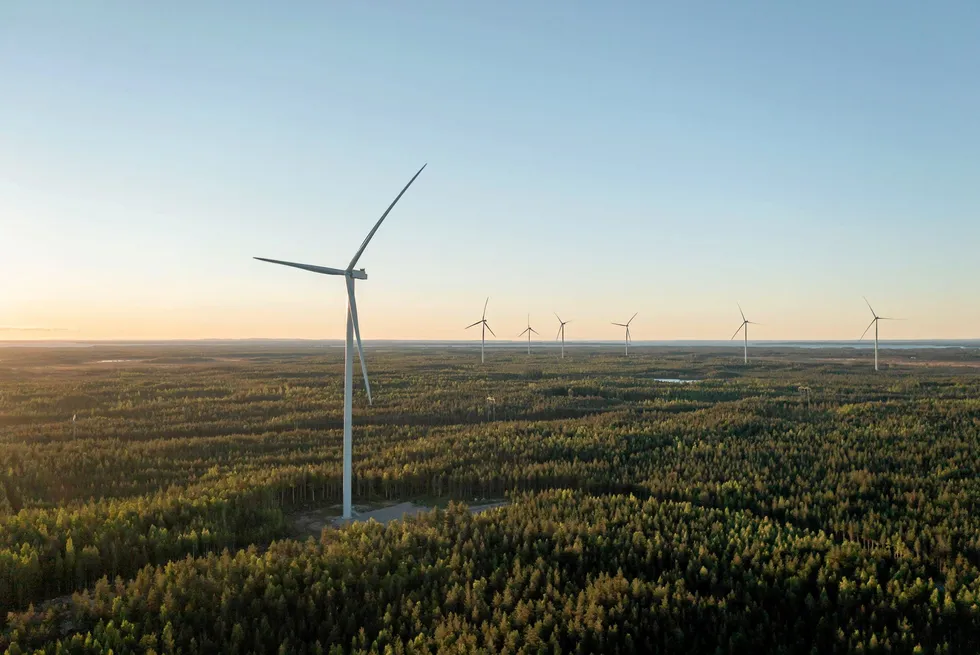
column 313, row 522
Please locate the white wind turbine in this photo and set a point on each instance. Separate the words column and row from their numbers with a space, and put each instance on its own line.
column 744, row 329
column 353, row 329
column 627, row 326
column 874, row 322
column 483, row 330
column 528, row 330
column 561, row 333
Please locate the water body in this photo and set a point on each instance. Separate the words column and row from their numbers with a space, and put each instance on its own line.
column 676, row 380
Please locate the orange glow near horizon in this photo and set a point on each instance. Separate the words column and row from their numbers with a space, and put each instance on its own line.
column 325, row 321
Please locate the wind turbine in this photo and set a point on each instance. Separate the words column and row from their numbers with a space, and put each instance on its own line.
column 529, row 330
column 874, row 322
column 486, row 326
column 744, row 329
column 627, row 326
column 561, row 333
column 353, row 329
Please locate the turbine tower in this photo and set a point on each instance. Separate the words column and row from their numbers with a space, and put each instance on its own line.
column 353, row 329
column 744, row 329
column 874, row 322
column 627, row 326
column 529, row 330
column 561, row 333
column 483, row 331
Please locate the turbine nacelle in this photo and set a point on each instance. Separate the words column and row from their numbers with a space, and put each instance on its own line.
column 483, row 330
column 626, row 325
column 353, row 337
column 358, row 274
column 874, row 324
column 743, row 327
column 528, row 329
column 561, row 327
column 875, row 320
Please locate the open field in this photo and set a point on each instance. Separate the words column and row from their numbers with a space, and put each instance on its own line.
column 846, row 521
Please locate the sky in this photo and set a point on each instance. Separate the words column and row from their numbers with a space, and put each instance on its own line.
column 591, row 159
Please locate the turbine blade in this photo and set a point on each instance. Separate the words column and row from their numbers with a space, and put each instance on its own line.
column 533, row 330
column 524, row 332
column 488, row 328
column 631, row 318
column 620, row 324
column 473, row 325
column 560, row 328
column 869, row 327
column 374, row 229
column 357, row 334
column 325, row 270
column 869, row 306
column 737, row 331
column 558, row 317
column 741, row 312
column 485, row 307
column 628, row 338
column 890, row 318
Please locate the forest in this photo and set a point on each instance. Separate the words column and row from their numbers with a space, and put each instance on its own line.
column 798, row 504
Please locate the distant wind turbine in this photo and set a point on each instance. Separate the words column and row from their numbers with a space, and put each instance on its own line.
column 627, row 326
column 528, row 330
column 744, row 329
column 483, row 331
column 874, row 322
column 561, row 333
column 353, row 328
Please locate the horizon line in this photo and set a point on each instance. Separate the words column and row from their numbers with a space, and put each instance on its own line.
column 516, row 341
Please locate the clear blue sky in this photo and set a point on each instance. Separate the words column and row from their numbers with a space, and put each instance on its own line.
column 597, row 159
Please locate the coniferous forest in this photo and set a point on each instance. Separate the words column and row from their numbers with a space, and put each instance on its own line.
column 799, row 504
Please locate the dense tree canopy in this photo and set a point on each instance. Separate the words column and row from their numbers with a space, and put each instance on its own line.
column 724, row 516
